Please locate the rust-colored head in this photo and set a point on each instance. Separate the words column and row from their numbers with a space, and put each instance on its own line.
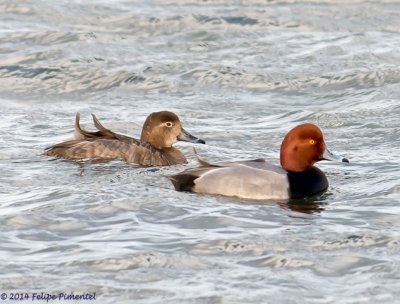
column 163, row 129
column 302, row 147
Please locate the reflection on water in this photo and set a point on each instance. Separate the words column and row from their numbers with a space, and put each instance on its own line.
column 240, row 76
column 309, row 207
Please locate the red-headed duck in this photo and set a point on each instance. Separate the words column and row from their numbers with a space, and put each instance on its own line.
column 297, row 177
column 160, row 131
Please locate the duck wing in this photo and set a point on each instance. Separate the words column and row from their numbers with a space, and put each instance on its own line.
column 108, row 149
column 81, row 134
column 91, row 147
column 255, row 179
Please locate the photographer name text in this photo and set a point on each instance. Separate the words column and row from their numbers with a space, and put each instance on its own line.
column 46, row 297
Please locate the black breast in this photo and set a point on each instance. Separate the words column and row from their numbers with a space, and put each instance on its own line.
column 307, row 183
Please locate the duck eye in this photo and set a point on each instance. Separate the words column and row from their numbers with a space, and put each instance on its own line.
column 312, row 142
column 168, row 124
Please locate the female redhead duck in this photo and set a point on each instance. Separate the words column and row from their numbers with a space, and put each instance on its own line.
column 297, row 177
column 160, row 131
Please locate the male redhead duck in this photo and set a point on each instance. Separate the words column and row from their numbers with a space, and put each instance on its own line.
column 160, row 131
column 256, row 179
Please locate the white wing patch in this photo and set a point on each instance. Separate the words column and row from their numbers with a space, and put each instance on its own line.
column 245, row 182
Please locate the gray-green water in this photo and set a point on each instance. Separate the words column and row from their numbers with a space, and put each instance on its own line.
column 239, row 75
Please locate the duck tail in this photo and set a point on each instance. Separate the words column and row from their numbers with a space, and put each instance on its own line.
column 79, row 134
column 98, row 124
column 183, row 181
column 202, row 161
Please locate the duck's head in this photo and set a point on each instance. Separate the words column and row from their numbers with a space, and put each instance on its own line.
column 163, row 129
column 303, row 146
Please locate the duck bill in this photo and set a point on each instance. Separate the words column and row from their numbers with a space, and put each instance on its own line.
column 186, row 136
column 328, row 155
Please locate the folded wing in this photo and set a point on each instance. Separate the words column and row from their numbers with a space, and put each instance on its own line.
column 255, row 179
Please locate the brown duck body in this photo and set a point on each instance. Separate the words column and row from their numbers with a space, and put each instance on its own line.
column 108, row 149
column 160, row 131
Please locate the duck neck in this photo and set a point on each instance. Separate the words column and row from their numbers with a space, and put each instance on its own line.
column 307, row 183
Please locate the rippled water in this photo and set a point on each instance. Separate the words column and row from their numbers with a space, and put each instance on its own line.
column 239, row 75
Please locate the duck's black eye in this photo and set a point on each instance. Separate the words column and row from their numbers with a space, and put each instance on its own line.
column 168, row 124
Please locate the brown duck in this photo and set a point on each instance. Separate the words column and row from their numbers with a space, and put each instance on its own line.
column 160, row 131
